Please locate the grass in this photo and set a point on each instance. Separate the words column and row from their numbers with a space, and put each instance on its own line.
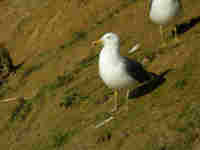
column 186, row 70
column 79, row 35
column 22, row 23
column 43, row 53
column 59, row 138
column 156, row 93
column 191, row 115
column 22, row 110
column 32, row 69
column 180, row 84
column 60, row 81
column 4, row 89
column 131, row 1
column 76, row 36
column 66, row 44
column 149, row 54
column 89, row 61
column 25, row 106
column 99, row 23
column 105, row 136
column 102, row 116
column 67, row 100
column 108, row 92
column 72, row 96
column 187, row 126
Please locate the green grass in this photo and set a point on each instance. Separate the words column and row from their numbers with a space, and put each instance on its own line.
column 72, row 96
column 105, row 136
column 43, row 53
column 68, row 100
column 22, row 110
column 156, row 93
column 66, row 44
column 191, row 116
column 150, row 55
column 186, row 74
column 4, row 89
column 102, row 116
column 89, row 61
column 188, row 69
column 60, row 81
column 79, row 35
column 25, row 106
column 59, row 138
column 32, row 69
column 131, row 1
column 187, row 125
column 76, row 36
column 180, row 84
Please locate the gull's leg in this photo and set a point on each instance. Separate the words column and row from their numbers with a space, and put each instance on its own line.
column 148, row 9
column 177, row 40
column 163, row 43
column 115, row 101
column 127, row 95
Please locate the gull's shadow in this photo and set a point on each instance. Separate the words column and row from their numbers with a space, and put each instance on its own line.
column 13, row 70
column 149, row 86
column 5, row 57
column 187, row 25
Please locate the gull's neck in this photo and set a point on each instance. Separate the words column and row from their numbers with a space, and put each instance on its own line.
column 110, row 54
column 112, row 48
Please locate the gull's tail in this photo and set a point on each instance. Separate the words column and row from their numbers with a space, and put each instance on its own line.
column 135, row 48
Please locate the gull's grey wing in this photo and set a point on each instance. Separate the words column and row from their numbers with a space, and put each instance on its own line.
column 137, row 71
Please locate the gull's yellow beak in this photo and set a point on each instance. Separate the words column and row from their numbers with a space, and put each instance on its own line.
column 96, row 42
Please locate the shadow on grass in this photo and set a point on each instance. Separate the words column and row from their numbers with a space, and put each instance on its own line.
column 6, row 63
column 149, row 86
column 186, row 26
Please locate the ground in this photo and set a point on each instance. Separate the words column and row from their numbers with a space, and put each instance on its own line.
column 64, row 96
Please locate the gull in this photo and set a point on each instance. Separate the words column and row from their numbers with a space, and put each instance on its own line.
column 164, row 12
column 118, row 71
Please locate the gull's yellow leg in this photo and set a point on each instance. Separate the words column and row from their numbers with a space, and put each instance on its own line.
column 115, row 101
column 127, row 95
column 176, row 35
column 148, row 9
column 162, row 34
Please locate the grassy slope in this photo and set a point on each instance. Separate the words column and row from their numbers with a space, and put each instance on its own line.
column 63, row 71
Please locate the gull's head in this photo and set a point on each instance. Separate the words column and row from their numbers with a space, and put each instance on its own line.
column 108, row 39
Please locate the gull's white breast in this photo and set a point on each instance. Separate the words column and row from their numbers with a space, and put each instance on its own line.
column 163, row 11
column 112, row 70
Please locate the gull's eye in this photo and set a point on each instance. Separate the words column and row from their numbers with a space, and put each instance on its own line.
column 109, row 37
